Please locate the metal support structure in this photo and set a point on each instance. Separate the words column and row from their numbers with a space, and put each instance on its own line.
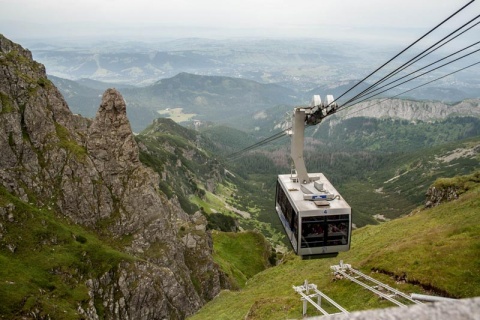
column 342, row 270
column 312, row 115
column 296, row 151
column 304, row 291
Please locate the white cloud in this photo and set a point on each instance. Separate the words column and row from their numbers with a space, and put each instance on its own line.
column 218, row 18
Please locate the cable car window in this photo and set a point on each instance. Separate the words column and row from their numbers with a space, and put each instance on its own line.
column 313, row 232
column 295, row 224
column 337, row 233
column 287, row 210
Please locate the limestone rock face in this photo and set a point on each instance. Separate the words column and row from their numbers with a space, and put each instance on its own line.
column 110, row 139
column 89, row 171
column 435, row 196
column 413, row 110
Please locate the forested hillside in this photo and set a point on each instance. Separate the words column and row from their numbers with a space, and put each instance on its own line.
column 379, row 165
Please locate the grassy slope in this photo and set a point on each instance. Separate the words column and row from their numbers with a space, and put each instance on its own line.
column 241, row 255
column 438, row 249
column 51, row 256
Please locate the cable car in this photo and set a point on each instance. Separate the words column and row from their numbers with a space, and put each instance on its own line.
column 316, row 219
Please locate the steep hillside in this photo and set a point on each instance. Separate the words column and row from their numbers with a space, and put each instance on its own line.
column 190, row 172
column 75, row 189
column 434, row 251
column 242, row 255
column 181, row 157
column 51, row 265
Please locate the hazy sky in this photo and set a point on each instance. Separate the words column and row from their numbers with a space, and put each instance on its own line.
column 153, row 19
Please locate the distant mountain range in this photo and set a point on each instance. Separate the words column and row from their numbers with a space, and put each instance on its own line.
column 297, row 64
column 209, row 98
column 245, row 104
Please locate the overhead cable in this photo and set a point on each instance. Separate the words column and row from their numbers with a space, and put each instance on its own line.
column 422, row 85
column 392, row 73
column 435, row 49
column 435, row 62
column 418, row 57
column 411, row 45
column 418, row 76
column 281, row 134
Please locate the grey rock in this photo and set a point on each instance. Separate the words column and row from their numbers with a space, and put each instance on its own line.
column 413, row 110
column 435, row 196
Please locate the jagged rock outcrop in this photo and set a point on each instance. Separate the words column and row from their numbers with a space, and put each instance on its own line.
column 435, row 196
column 89, row 171
column 449, row 189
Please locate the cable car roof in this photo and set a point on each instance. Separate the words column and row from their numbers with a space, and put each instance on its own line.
column 295, row 194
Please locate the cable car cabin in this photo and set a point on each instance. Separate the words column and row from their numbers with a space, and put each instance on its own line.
column 316, row 219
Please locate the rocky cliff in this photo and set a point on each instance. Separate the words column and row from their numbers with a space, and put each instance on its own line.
column 89, row 172
column 412, row 110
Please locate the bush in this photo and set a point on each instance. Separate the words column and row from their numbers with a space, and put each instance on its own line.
column 221, row 222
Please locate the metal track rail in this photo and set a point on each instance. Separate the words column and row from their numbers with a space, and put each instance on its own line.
column 379, row 293
column 342, row 270
column 385, row 286
column 304, row 289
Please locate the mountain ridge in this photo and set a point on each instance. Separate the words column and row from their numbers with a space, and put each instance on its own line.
column 213, row 98
column 88, row 171
column 412, row 110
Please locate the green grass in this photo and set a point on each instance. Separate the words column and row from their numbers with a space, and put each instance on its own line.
column 241, row 255
column 436, row 249
column 461, row 183
column 51, row 260
column 6, row 103
column 210, row 203
column 68, row 143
